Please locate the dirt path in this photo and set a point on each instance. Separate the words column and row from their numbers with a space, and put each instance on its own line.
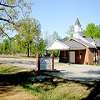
column 15, row 93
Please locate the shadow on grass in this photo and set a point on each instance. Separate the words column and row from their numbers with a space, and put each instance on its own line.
column 15, row 78
column 95, row 92
column 9, row 81
column 41, row 83
column 27, row 80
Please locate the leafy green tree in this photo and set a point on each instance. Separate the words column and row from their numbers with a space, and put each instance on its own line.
column 5, row 46
column 97, row 35
column 19, row 44
column 28, row 30
column 92, row 30
column 41, row 46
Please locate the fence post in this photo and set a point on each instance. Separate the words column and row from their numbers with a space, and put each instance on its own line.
column 38, row 63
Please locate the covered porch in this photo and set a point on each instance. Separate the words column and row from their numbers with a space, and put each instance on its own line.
column 72, row 56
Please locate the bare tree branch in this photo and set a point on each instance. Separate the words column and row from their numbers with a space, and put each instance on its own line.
column 2, row 9
column 6, row 5
column 8, row 14
column 6, row 20
column 3, row 33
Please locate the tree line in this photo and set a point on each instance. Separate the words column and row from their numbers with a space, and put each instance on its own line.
column 27, row 41
column 15, row 17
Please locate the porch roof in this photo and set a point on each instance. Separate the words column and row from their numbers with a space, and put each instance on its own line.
column 58, row 45
column 66, row 45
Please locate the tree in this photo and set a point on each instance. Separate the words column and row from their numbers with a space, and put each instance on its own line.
column 10, row 12
column 92, row 30
column 6, row 46
column 70, row 32
column 28, row 30
column 51, row 38
column 41, row 46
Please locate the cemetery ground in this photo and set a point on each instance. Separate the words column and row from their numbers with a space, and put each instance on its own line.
column 18, row 81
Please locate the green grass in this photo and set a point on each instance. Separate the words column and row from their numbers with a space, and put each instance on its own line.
column 60, row 91
column 7, row 69
column 48, row 90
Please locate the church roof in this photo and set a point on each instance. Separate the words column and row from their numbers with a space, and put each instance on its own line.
column 77, row 22
column 58, row 45
column 86, row 43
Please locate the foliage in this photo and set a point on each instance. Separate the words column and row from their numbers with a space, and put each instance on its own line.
column 29, row 29
column 5, row 46
column 12, row 11
column 92, row 30
column 57, row 90
column 50, row 38
column 41, row 46
column 26, row 41
column 70, row 32
column 17, row 45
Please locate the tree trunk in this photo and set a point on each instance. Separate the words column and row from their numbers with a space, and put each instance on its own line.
column 28, row 49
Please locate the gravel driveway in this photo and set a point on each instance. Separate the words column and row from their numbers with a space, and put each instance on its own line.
column 19, row 62
column 78, row 72
column 72, row 71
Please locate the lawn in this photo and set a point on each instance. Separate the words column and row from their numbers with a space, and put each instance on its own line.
column 59, row 91
column 55, row 89
column 9, row 89
column 8, row 69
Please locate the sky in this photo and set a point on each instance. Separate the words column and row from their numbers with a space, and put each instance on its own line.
column 58, row 15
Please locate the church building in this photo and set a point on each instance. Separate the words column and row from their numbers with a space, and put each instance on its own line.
column 79, row 49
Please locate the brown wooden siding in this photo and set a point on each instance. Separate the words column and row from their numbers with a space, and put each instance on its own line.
column 98, row 51
column 80, row 56
column 89, row 56
column 64, row 56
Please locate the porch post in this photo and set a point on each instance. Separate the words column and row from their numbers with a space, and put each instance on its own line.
column 69, row 56
column 95, row 56
column 52, row 60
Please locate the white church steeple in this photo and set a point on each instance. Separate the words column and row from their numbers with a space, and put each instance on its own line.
column 77, row 29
